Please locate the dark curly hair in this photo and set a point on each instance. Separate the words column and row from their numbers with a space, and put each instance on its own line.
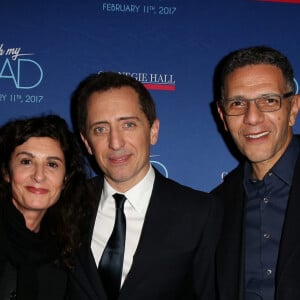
column 62, row 218
column 103, row 82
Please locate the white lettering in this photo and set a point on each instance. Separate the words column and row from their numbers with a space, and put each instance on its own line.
column 117, row 7
column 162, row 78
column 1, row 50
column 14, row 52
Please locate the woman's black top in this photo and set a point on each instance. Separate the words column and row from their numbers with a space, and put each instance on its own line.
column 27, row 269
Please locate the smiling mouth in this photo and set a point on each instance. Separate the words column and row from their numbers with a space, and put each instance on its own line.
column 39, row 191
column 119, row 159
column 257, row 136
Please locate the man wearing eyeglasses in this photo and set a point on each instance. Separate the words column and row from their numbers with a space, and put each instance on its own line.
column 258, row 256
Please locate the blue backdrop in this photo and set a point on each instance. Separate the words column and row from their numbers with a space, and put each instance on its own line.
column 172, row 46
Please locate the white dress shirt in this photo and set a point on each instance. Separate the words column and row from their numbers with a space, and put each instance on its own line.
column 135, row 208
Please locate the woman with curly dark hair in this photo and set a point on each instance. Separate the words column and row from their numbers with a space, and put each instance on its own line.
column 41, row 169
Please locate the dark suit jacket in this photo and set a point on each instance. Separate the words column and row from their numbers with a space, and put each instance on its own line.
column 230, row 253
column 174, row 257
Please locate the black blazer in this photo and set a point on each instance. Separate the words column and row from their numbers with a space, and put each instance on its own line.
column 175, row 255
column 230, row 252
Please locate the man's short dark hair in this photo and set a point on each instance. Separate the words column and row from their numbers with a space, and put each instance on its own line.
column 103, row 82
column 255, row 56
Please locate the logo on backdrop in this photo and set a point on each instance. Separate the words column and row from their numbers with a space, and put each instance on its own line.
column 154, row 81
column 18, row 68
column 138, row 8
column 296, row 86
column 21, row 73
column 158, row 165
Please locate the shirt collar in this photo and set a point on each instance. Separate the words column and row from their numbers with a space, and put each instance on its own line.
column 284, row 168
column 138, row 196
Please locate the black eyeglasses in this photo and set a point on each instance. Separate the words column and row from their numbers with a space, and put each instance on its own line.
column 265, row 103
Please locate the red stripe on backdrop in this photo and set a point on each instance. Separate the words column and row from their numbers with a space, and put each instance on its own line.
column 162, row 87
column 283, row 1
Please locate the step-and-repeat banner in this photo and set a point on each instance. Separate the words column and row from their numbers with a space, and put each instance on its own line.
column 172, row 46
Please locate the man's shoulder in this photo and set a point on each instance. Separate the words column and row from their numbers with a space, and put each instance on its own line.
column 197, row 206
column 233, row 179
column 178, row 190
column 297, row 136
column 236, row 173
column 174, row 184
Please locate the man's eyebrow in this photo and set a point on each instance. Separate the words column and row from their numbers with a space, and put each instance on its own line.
column 98, row 123
column 119, row 119
column 129, row 118
column 240, row 97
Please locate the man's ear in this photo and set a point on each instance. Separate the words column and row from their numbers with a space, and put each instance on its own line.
column 221, row 114
column 154, row 132
column 295, row 105
column 86, row 143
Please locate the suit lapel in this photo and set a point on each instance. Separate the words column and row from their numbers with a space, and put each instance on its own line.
column 93, row 192
column 290, row 239
column 153, row 231
column 87, row 272
column 89, row 277
column 230, row 253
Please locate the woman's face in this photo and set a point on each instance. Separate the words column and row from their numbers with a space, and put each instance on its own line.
column 36, row 175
